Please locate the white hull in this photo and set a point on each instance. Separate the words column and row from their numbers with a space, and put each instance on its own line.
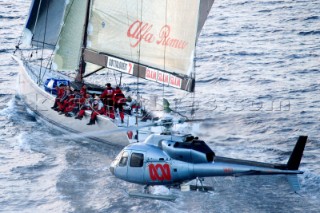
column 40, row 102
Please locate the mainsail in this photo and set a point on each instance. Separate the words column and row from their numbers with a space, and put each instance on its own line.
column 154, row 39
column 150, row 39
column 146, row 32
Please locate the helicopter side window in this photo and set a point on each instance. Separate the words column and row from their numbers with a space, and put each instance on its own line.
column 124, row 159
column 136, row 160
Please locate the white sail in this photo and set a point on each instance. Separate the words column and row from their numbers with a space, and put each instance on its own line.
column 68, row 50
column 44, row 23
column 156, row 33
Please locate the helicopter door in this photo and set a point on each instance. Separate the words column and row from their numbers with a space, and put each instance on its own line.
column 121, row 169
column 136, row 167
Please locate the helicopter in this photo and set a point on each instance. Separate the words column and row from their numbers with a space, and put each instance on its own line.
column 171, row 160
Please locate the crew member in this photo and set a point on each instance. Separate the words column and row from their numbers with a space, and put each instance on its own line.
column 64, row 101
column 73, row 104
column 83, row 90
column 119, row 100
column 107, row 97
column 97, row 109
column 60, row 91
column 85, row 105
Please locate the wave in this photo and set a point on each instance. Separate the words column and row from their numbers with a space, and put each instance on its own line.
column 223, row 34
column 312, row 18
column 245, row 53
column 9, row 104
column 212, row 80
column 9, row 17
column 313, row 32
column 24, row 144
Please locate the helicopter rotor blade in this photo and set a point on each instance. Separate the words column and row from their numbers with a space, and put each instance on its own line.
column 125, row 129
column 196, row 120
column 102, row 132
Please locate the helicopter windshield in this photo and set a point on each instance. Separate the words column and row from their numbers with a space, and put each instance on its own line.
column 124, row 159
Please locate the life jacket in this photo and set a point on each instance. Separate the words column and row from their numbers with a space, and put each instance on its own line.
column 107, row 93
column 60, row 92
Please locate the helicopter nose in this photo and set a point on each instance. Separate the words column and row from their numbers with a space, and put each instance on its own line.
column 112, row 169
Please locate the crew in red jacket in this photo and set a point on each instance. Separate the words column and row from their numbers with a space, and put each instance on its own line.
column 60, row 91
column 64, row 101
column 119, row 100
column 107, row 97
column 83, row 91
column 73, row 104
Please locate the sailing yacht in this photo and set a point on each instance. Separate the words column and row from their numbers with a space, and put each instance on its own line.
column 70, row 40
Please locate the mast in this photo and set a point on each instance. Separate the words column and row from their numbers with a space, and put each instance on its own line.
column 82, row 64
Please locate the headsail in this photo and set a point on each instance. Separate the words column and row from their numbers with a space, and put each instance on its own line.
column 68, row 50
column 44, row 22
column 151, row 39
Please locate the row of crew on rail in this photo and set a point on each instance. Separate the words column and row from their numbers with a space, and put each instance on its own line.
column 76, row 102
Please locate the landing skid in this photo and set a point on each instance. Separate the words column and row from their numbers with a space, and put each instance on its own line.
column 201, row 188
column 146, row 194
column 137, row 194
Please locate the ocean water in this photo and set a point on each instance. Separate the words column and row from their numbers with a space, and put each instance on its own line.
column 258, row 80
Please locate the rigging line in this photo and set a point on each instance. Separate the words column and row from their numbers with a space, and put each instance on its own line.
column 194, row 74
column 44, row 38
column 120, row 79
column 35, row 24
column 139, row 56
column 115, row 77
column 128, row 28
column 193, row 95
column 165, row 49
column 82, row 64
column 128, row 24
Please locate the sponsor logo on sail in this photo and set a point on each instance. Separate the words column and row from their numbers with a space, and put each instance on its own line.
column 166, row 40
column 175, row 81
column 151, row 74
column 142, row 32
column 163, row 77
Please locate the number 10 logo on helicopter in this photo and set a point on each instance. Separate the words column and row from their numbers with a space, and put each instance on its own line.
column 160, row 172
